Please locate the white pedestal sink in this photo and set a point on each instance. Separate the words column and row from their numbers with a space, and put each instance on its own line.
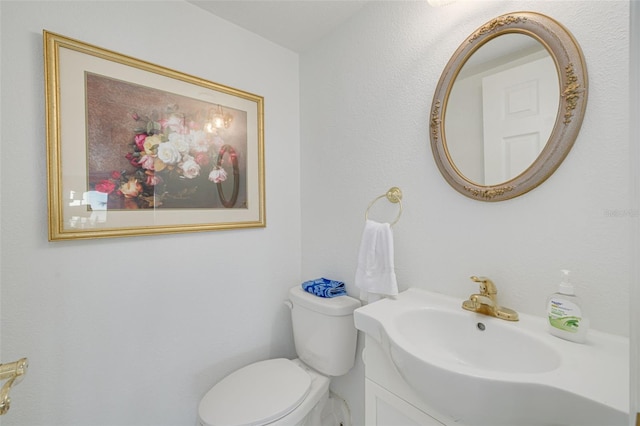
column 476, row 370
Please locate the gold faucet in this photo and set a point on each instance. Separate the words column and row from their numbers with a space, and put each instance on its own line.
column 485, row 302
column 14, row 372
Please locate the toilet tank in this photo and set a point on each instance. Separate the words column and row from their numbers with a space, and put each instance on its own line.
column 323, row 331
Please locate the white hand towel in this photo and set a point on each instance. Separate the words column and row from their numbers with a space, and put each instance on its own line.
column 375, row 273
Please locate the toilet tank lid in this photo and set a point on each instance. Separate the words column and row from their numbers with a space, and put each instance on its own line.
column 333, row 306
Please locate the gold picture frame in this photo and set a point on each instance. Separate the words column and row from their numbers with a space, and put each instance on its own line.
column 136, row 149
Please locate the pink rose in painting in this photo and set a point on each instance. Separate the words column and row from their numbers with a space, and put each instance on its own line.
column 190, row 168
column 140, row 138
column 202, row 158
column 147, row 162
column 116, row 174
column 175, row 123
column 106, row 186
column 217, row 175
column 152, row 179
column 131, row 188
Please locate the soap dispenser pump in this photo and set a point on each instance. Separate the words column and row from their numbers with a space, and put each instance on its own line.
column 564, row 311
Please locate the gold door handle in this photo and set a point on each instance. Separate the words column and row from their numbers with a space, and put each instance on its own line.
column 13, row 373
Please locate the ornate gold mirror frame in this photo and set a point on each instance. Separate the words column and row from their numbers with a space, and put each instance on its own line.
column 572, row 75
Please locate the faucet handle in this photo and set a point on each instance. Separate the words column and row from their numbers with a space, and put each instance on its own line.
column 487, row 287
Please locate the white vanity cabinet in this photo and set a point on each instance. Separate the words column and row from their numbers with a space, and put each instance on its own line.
column 383, row 408
column 389, row 401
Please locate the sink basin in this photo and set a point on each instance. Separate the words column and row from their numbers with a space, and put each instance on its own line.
column 457, row 340
column 478, row 370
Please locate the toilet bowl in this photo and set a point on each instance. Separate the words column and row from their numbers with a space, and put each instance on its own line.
column 279, row 392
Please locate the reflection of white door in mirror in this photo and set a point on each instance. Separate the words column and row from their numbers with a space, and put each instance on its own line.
column 465, row 128
column 520, row 105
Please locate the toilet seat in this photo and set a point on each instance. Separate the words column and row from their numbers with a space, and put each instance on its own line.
column 257, row 394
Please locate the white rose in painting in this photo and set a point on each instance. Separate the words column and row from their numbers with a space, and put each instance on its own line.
column 180, row 142
column 199, row 141
column 168, row 153
column 175, row 123
column 190, row 168
column 217, row 175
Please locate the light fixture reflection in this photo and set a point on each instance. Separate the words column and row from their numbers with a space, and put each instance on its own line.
column 217, row 120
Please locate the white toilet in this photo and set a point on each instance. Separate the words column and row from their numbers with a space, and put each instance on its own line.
column 279, row 392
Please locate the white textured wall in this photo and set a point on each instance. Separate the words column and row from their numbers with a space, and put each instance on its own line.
column 366, row 94
column 133, row 331
column 114, row 343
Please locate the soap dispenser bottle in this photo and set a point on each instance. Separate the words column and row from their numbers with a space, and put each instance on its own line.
column 564, row 310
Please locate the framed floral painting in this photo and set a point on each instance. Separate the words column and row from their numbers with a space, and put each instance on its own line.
column 134, row 148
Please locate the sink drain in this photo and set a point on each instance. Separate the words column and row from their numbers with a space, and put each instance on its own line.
column 480, row 326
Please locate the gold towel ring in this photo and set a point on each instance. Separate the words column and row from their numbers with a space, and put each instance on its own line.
column 394, row 195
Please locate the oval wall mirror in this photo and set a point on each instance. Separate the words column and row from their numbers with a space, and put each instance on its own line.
column 508, row 106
